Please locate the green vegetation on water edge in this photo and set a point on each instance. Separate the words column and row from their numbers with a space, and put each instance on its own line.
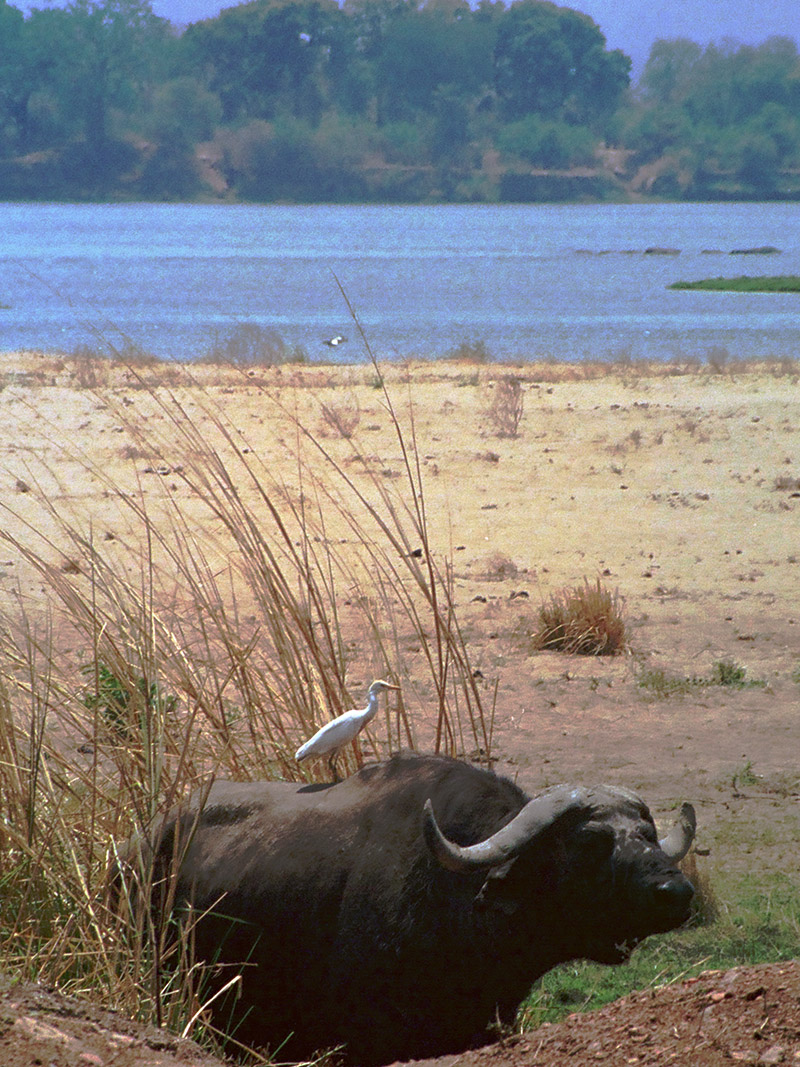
column 781, row 283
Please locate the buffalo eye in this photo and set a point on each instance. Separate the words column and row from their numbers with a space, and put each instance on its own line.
column 594, row 844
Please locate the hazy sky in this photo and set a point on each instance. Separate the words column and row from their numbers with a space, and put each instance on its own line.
column 631, row 25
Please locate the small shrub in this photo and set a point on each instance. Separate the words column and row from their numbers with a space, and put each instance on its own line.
column 730, row 673
column 342, row 419
column 727, row 672
column 251, row 345
column 505, row 410
column 121, row 703
column 586, row 619
column 497, row 567
column 469, row 352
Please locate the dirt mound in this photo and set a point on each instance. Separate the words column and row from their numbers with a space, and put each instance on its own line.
column 42, row 1026
column 748, row 1015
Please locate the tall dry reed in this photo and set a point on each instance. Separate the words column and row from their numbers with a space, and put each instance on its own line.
column 212, row 638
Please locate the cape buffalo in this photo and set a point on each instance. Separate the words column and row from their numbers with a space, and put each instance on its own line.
column 402, row 912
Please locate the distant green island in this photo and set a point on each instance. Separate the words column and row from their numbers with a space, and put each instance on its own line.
column 783, row 283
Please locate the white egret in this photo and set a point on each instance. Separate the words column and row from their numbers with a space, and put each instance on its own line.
column 331, row 738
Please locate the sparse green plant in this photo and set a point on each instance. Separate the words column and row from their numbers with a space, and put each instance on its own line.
column 125, row 704
column 744, row 776
column 662, row 683
column 586, row 619
column 505, row 409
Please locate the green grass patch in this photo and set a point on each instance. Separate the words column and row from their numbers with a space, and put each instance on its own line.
column 783, row 283
column 757, row 924
column 724, row 672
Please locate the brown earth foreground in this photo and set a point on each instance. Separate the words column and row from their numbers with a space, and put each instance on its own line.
column 679, row 487
column 749, row 1015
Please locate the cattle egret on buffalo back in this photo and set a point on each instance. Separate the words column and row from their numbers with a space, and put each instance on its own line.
column 331, row 738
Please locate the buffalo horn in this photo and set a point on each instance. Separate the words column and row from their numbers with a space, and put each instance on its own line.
column 679, row 840
column 537, row 815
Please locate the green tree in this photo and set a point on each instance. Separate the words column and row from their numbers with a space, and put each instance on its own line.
column 544, row 143
column 441, row 45
column 553, row 61
column 106, row 59
column 270, row 56
column 670, row 70
column 14, row 88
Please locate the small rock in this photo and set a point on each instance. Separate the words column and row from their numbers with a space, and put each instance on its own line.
column 40, row 1031
column 776, row 1054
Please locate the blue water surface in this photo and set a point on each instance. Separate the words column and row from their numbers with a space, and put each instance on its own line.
column 529, row 281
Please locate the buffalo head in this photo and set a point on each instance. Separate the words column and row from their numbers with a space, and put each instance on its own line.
column 600, row 851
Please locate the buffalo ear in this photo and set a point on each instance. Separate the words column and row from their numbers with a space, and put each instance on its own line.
column 491, row 894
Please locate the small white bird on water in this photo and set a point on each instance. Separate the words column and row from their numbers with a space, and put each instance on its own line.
column 334, row 342
column 331, row 738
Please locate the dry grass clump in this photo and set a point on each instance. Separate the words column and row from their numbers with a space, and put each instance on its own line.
column 251, row 345
column 469, row 352
column 341, row 419
column 506, row 406
column 587, row 619
column 705, row 902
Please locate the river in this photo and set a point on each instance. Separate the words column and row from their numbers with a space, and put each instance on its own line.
column 526, row 281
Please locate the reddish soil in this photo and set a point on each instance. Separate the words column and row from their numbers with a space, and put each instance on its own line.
column 749, row 1015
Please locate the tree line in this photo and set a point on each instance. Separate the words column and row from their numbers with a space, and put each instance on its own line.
column 383, row 100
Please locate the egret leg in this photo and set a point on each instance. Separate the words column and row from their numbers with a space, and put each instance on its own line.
column 334, row 770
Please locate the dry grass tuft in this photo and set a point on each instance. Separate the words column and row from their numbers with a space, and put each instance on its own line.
column 506, row 406
column 705, row 903
column 341, row 419
column 252, row 345
column 587, row 619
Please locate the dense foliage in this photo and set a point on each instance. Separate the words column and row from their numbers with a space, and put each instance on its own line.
column 720, row 122
column 382, row 100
